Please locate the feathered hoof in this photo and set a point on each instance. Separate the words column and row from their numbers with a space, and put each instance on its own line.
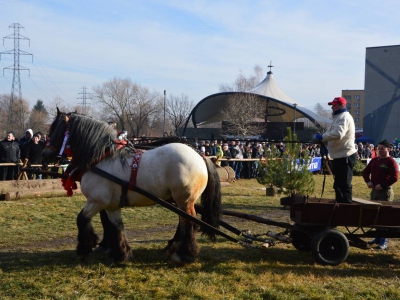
column 100, row 249
column 176, row 260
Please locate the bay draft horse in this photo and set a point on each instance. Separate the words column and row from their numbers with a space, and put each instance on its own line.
column 173, row 172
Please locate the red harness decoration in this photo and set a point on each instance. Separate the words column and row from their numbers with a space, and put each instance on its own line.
column 135, row 167
column 69, row 183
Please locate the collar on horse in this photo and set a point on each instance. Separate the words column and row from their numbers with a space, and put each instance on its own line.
column 76, row 174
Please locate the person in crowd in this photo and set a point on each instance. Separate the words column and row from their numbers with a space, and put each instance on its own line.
column 340, row 141
column 207, row 148
column 9, row 153
column 247, row 165
column 218, row 153
column 26, row 138
column 239, row 154
column 380, row 174
column 398, row 151
column 40, row 135
column 361, row 150
column 281, row 148
column 392, row 152
column 259, row 153
column 201, row 144
column 32, row 153
column 226, row 154
column 233, row 150
column 367, row 152
column 213, row 147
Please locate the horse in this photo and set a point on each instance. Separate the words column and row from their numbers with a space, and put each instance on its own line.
column 173, row 172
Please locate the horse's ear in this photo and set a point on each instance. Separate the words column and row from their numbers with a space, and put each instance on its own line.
column 58, row 113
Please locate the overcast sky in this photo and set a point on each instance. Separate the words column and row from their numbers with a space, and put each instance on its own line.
column 317, row 47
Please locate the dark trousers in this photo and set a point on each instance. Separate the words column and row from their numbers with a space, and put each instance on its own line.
column 342, row 169
column 8, row 173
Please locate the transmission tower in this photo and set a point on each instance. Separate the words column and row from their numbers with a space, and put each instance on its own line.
column 16, row 84
column 84, row 98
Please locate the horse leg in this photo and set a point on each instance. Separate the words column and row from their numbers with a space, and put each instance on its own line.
column 118, row 245
column 185, row 250
column 105, row 222
column 87, row 239
column 176, row 238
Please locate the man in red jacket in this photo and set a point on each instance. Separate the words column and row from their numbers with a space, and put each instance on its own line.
column 380, row 174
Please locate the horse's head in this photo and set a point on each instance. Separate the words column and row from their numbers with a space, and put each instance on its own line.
column 56, row 136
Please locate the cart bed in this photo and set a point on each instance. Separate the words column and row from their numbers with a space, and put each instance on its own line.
column 326, row 212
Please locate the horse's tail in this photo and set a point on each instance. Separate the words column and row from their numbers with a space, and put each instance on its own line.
column 211, row 200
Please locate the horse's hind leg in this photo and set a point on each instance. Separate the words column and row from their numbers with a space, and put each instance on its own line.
column 87, row 239
column 185, row 250
column 120, row 249
column 176, row 238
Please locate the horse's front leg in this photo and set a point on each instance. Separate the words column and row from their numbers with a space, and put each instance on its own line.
column 87, row 239
column 104, row 244
column 118, row 245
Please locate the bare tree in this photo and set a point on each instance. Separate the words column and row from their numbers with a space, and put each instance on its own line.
column 178, row 109
column 242, row 114
column 142, row 108
column 20, row 113
column 39, row 117
column 243, row 83
column 114, row 97
column 62, row 105
column 319, row 110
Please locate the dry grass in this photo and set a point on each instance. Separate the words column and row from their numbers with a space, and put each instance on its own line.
column 38, row 261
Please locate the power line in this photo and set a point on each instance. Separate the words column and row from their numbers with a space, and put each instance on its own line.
column 41, row 66
column 84, row 97
column 16, row 83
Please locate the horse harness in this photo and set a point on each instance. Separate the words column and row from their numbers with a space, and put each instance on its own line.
column 76, row 173
column 125, row 185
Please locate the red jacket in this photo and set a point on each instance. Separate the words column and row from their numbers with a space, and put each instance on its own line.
column 383, row 171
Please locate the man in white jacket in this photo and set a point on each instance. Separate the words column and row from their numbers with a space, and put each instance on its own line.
column 340, row 141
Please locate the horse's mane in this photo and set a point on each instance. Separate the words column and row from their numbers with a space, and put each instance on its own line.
column 90, row 139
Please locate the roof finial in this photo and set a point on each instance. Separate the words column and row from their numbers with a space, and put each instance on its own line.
column 270, row 67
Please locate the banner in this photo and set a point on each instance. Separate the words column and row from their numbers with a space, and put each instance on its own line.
column 314, row 165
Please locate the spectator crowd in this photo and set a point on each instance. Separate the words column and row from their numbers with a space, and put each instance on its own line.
column 26, row 150
column 248, row 149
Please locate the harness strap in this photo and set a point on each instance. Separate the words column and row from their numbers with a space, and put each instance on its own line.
column 163, row 203
column 124, row 184
column 64, row 143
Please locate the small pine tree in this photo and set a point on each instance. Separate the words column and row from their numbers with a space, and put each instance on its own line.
column 288, row 172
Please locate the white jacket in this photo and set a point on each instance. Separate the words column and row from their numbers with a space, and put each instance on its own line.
column 341, row 135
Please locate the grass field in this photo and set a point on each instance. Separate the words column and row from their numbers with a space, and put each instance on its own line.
column 38, row 260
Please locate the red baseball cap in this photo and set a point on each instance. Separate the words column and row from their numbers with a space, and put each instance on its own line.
column 338, row 100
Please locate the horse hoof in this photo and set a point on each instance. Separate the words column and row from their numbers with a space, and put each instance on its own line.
column 176, row 260
column 100, row 249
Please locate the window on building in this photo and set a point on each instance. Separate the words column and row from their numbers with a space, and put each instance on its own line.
column 356, row 120
column 356, row 104
column 356, row 112
column 357, row 97
column 348, row 98
column 348, row 106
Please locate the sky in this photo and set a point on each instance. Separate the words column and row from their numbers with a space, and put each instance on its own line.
column 317, row 47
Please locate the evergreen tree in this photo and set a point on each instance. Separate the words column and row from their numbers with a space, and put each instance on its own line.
column 288, row 173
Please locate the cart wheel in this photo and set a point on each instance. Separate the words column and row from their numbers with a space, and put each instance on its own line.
column 300, row 240
column 330, row 247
